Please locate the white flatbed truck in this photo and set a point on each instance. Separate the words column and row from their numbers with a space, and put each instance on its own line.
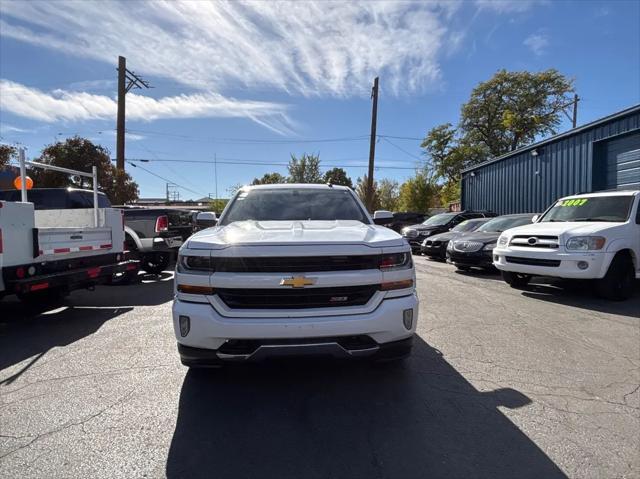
column 48, row 253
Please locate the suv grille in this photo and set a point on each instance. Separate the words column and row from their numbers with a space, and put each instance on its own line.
column 535, row 241
column 293, row 264
column 296, row 299
column 554, row 263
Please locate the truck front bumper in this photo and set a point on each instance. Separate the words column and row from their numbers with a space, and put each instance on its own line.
column 252, row 339
column 578, row 265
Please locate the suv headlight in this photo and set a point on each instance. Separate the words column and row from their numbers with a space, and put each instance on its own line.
column 195, row 263
column 585, row 243
column 489, row 247
column 450, row 246
column 503, row 240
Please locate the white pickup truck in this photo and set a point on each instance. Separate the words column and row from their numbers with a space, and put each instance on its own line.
column 44, row 254
column 294, row 270
column 592, row 236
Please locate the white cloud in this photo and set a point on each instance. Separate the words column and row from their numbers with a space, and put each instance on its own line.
column 62, row 105
column 538, row 43
column 509, row 6
column 306, row 48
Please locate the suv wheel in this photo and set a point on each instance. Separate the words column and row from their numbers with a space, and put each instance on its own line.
column 516, row 280
column 618, row 283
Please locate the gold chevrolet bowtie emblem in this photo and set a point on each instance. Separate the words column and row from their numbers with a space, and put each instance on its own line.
column 297, row 281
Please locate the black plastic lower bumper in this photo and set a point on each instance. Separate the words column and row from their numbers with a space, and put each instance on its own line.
column 479, row 259
column 198, row 357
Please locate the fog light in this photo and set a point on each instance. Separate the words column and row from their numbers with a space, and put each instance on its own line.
column 583, row 265
column 31, row 270
column 496, row 258
column 407, row 318
column 185, row 325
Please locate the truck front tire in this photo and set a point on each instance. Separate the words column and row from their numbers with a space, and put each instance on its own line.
column 516, row 280
column 618, row 283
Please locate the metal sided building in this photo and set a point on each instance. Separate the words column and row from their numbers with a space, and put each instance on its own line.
column 601, row 155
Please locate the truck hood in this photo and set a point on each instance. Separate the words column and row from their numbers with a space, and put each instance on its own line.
column 569, row 228
column 294, row 233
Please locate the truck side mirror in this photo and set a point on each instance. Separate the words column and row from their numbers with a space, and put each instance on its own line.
column 382, row 217
column 206, row 219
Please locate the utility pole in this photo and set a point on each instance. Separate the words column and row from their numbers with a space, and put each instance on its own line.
column 575, row 109
column 126, row 81
column 372, row 144
column 215, row 171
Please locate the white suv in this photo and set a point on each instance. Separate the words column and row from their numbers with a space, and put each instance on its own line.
column 590, row 236
column 294, row 270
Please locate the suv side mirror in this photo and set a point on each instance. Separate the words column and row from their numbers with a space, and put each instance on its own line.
column 535, row 218
column 382, row 217
column 206, row 219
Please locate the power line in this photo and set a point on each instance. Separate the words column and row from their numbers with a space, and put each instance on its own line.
column 260, row 163
column 166, row 180
column 401, row 137
column 249, row 141
column 402, row 149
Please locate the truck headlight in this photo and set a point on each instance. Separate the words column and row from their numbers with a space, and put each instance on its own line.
column 394, row 261
column 196, row 263
column 489, row 247
column 585, row 243
column 503, row 240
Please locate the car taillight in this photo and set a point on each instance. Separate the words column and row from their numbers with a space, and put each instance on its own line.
column 162, row 223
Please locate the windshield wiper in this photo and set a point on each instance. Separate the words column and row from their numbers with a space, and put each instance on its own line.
column 594, row 219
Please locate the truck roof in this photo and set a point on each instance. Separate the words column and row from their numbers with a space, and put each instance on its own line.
column 604, row 193
column 317, row 186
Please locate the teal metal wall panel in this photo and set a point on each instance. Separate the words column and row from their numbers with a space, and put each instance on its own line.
column 570, row 163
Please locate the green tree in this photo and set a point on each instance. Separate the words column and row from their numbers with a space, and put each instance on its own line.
column 450, row 192
column 269, row 179
column 81, row 154
column 513, row 108
column 337, row 176
column 218, row 205
column 388, row 194
column 361, row 191
column 419, row 193
column 305, row 169
column 6, row 154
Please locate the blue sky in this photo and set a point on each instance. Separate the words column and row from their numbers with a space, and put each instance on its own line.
column 254, row 82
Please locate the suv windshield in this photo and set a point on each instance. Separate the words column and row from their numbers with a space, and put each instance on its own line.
column 294, row 204
column 439, row 220
column 500, row 224
column 593, row 208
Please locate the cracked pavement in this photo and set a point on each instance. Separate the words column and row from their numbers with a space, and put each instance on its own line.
column 543, row 382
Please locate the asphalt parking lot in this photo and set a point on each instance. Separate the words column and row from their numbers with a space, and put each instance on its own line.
column 503, row 383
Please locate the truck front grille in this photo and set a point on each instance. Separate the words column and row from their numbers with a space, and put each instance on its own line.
column 296, row 298
column 535, row 241
column 294, row 264
column 554, row 263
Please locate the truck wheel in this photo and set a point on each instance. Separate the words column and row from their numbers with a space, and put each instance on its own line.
column 126, row 277
column 618, row 283
column 516, row 280
column 155, row 263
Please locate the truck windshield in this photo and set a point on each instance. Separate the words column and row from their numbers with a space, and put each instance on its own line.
column 592, row 208
column 294, row 204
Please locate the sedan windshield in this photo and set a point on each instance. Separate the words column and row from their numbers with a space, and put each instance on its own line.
column 294, row 204
column 439, row 220
column 594, row 208
column 502, row 223
column 468, row 225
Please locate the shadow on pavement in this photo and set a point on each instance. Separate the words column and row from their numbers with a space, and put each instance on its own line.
column 295, row 420
column 581, row 294
column 490, row 274
column 27, row 332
